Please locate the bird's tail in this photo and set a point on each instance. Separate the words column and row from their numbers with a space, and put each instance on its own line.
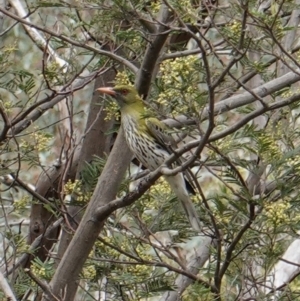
column 178, row 186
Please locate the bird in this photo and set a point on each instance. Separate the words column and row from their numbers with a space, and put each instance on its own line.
column 151, row 142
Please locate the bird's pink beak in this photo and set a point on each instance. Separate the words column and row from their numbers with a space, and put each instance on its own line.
column 107, row 90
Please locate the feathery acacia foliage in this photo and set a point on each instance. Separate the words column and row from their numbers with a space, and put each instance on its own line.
column 223, row 75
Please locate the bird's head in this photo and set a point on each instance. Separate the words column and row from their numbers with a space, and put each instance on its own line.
column 124, row 95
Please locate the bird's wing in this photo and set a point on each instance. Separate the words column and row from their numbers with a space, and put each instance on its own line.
column 160, row 132
column 162, row 135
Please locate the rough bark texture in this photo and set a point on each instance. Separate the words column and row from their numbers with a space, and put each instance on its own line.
column 40, row 217
column 96, row 142
column 90, row 227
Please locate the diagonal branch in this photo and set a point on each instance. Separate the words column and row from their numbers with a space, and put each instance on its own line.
column 109, row 54
column 6, row 289
column 240, row 100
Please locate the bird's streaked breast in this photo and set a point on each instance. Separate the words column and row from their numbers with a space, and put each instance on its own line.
column 143, row 146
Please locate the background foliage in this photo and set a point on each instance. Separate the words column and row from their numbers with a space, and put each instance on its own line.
column 81, row 220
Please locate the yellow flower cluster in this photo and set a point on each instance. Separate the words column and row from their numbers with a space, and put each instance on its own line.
column 89, row 272
column 75, row 189
column 139, row 270
column 196, row 198
column 10, row 48
column 178, row 80
column 224, row 144
column 7, row 105
column 122, row 78
column 172, row 69
column 70, row 186
column 125, row 244
column 293, row 287
column 110, row 251
column 222, row 218
column 161, row 187
column 290, row 93
column 158, row 192
column 187, row 12
column 235, row 28
column 287, row 94
column 43, row 270
column 191, row 14
column 277, row 213
column 19, row 242
column 279, row 29
column 143, row 252
column 23, row 247
column 295, row 162
column 155, row 6
column 134, row 40
column 112, row 110
column 268, row 147
column 21, row 204
column 39, row 271
column 39, row 141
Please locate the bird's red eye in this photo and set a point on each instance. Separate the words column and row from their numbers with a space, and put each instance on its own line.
column 124, row 92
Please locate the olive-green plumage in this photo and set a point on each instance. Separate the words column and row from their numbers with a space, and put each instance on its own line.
column 150, row 142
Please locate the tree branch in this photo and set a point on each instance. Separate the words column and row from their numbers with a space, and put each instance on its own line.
column 109, row 54
column 6, row 289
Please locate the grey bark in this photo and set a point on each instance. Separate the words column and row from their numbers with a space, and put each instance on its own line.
column 96, row 142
